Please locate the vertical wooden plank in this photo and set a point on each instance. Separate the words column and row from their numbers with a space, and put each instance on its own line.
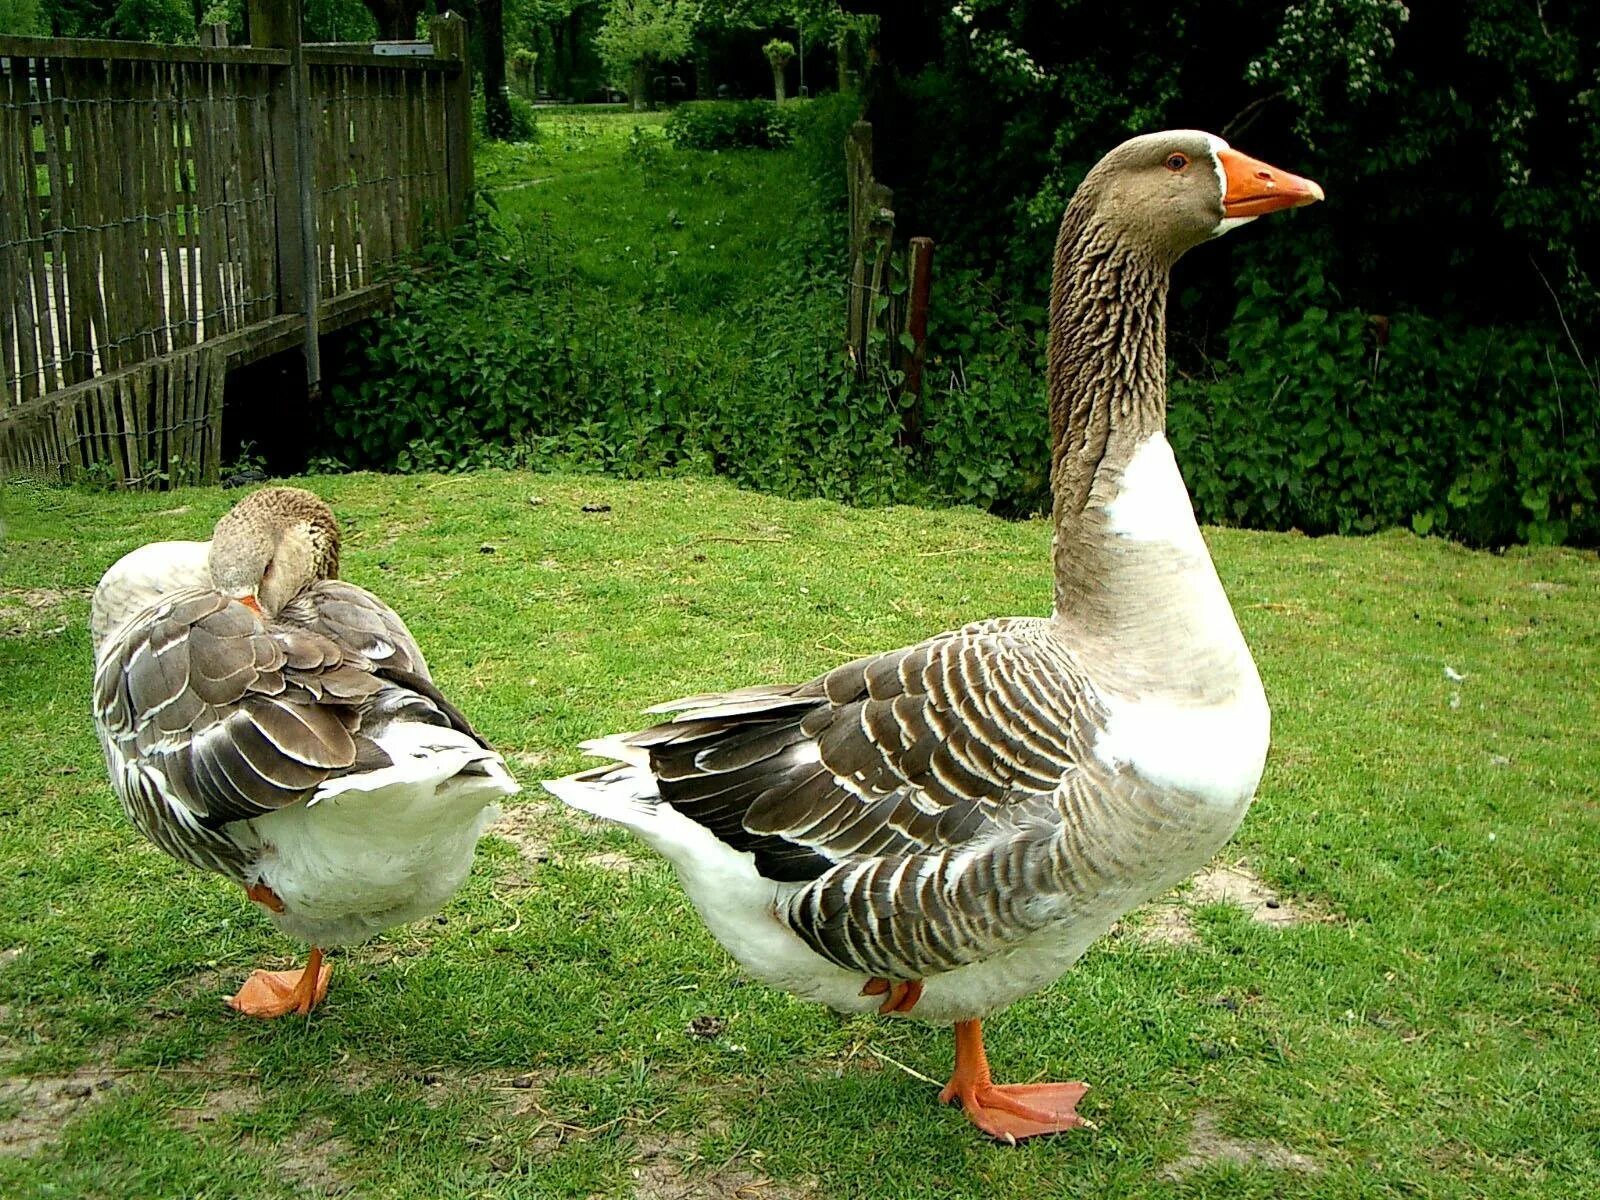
column 149, row 195
column 38, row 314
column 266, row 244
column 106, row 193
column 10, row 237
column 190, row 434
column 129, row 396
column 324, row 84
column 204, row 179
column 216, row 375
column 278, row 24
column 88, row 297
column 120, row 280
column 76, row 434
column 62, row 240
column 450, row 41
column 172, row 236
column 198, row 164
column 236, row 212
column 410, row 154
column 260, row 284
column 199, row 445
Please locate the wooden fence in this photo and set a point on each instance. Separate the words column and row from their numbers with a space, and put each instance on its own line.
column 170, row 212
column 886, row 318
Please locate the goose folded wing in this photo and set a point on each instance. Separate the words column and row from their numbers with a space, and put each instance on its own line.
column 235, row 718
column 942, row 745
column 359, row 623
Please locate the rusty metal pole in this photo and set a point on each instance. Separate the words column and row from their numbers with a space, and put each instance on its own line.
column 917, row 327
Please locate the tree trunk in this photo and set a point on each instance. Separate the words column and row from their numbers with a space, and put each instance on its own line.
column 778, row 83
column 636, row 92
column 496, row 104
column 396, row 19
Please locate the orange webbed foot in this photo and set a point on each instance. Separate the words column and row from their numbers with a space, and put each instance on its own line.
column 269, row 994
column 1007, row 1112
column 1012, row 1112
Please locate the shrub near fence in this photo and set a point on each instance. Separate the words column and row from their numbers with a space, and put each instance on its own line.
column 731, row 125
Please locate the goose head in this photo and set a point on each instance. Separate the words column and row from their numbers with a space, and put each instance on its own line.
column 1166, row 193
column 272, row 545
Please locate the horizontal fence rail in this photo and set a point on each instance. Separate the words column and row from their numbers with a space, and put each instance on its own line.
column 151, row 208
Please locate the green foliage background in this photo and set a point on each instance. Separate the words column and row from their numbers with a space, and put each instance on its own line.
column 1420, row 349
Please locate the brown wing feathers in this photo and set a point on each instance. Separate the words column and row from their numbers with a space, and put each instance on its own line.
column 211, row 717
column 913, row 751
column 909, row 790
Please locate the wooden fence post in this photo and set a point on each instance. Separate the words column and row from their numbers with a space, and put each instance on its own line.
column 450, row 41
column 871, row 240
column 276, row 23
column 917, row 327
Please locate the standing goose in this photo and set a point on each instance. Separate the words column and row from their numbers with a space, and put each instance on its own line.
column 263, row 720
column 943, row 829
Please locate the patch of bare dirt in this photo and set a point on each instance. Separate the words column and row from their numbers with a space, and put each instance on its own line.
column 309, row 1160
column 670, row 1167
column 526, row 827
column 1208, row 1145
column 34, row 612
column 43, row 1104
column 222, row 1096
column 1169, row 922
column 529, row 760
column 9, row 956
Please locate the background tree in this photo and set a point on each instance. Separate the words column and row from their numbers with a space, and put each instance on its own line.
column 396, row 19
column 779, row 54
column 492, row 41
column 524, row 64
column 21, row 18
column 639, row 34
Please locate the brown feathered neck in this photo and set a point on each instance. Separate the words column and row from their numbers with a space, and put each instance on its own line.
column 1107, row 360
column 1108, row 351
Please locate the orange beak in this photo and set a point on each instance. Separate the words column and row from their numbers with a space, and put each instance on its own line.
column 252, row 604
column 1255, row 188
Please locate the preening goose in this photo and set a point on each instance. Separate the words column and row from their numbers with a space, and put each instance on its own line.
column 940, row 830
column 263, row 720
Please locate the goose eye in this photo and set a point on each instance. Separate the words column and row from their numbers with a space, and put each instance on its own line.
column 1177, row 162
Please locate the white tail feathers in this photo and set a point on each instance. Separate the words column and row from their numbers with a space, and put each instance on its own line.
column 625, row 794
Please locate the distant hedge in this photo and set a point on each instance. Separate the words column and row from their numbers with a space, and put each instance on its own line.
column 731, row 125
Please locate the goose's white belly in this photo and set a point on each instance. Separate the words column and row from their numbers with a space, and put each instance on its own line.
column 740, row 909
column 353, row 865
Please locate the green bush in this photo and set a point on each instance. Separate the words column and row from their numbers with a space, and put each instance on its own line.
column 731, row 125
column 491, row 359
column 524, row 125
column 1319, row 420
column 1338, row 422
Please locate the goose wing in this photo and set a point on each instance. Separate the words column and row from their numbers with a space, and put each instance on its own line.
column 908, row 792
column 209, row 716
column 357, row 621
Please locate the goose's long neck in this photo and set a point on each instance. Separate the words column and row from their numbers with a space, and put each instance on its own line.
column 1135, row 587
column 1107, row 374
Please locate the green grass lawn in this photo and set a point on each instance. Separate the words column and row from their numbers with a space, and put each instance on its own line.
column 566, row 1027
column 636, row 218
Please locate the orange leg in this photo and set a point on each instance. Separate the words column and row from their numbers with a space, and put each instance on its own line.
column 279, row 993
column 901, row 996
column 1008, row 1112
